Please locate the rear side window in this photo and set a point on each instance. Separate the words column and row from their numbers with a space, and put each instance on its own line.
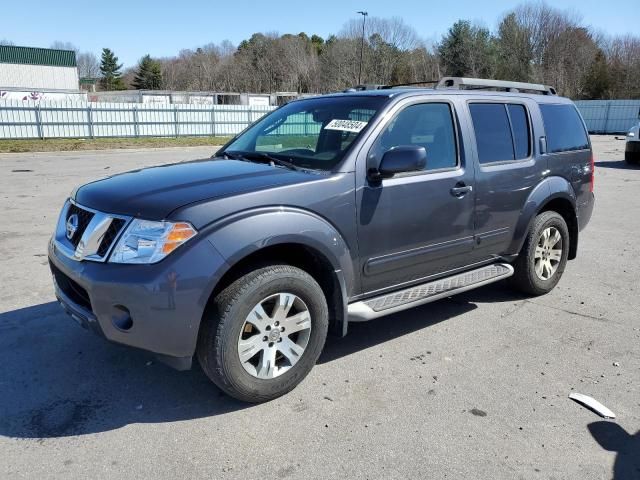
column 502, row 131
column 564, row 129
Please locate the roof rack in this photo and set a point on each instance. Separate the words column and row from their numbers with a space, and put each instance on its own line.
column 462, row 83
column 410, row 84
column 363, row 87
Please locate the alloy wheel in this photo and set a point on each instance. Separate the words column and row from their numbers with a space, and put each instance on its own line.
column 274, row 335
column 548, row 253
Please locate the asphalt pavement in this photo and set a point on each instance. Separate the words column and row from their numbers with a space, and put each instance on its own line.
column 475, row 386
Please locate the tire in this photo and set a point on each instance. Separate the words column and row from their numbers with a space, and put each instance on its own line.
column 526, row 278
column 231, row 315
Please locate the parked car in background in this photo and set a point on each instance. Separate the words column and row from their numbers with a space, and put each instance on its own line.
column 632, row 147
column 329, row 210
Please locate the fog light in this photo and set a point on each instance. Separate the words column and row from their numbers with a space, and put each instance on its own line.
column 121, row 318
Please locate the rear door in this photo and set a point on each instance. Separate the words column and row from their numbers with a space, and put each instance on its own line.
column 415, row 225
column 509, row 167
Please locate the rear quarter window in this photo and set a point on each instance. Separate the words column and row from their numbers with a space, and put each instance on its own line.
column 564, row 128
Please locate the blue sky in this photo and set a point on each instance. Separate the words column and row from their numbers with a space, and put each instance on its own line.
column 161, row 28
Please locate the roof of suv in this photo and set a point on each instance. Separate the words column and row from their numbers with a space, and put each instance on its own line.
column 411, row 91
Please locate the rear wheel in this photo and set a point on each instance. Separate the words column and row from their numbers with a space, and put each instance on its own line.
column 543, row 258
column 264, row 333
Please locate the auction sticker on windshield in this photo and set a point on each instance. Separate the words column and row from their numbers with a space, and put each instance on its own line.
column 346, row 125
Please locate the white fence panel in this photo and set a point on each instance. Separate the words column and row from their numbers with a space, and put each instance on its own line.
column 78, row 119
column 68, row 121
column 72, row 119
column 195, row 120
column 156, row 120
column 113, row 119
column 18, row 119
column 609, row 116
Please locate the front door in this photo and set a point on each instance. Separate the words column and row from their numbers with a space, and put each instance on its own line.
column 416, row 224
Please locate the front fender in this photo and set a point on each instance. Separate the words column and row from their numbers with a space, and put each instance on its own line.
column 549, row 189
column 241, row 234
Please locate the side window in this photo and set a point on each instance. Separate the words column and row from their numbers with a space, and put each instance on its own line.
column 429, row 125
column 520, row 129
column 493, row 133
column 502, row 131
column 563, row 127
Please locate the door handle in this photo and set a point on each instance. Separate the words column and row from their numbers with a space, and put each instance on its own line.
column 460, row 190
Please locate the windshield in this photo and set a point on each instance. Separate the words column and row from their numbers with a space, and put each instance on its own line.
column 315, row 133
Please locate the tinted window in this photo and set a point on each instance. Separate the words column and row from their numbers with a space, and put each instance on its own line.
column 429, row 125
column 493, row 133
column 520, row 129
column 564, row 128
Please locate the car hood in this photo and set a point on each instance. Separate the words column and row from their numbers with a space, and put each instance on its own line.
column 153, row 193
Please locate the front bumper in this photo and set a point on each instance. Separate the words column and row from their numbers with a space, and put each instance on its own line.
column 153, row 307
column 632, row 152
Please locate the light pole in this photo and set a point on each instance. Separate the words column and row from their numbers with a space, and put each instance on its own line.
column 364, row 21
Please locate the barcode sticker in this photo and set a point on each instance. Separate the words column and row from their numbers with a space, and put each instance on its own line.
column 346, row 125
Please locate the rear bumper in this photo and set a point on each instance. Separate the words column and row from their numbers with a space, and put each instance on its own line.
column 632, row 152
column 157, row 307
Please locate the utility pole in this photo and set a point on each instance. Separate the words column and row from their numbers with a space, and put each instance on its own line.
column 364, row 21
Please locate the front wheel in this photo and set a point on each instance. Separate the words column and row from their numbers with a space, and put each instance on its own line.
column 264, row 333
column 543, row 258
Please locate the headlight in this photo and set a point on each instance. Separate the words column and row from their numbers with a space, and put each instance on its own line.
column 631, row 134
column 149, row 242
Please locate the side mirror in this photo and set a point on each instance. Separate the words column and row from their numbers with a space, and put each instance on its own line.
column 404, row 158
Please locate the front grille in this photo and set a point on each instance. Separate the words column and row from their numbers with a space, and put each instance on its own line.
column 70, row 288
column 110, row 235
column 84, row 217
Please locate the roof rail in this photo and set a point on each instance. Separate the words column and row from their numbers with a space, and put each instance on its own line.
column 461, row 83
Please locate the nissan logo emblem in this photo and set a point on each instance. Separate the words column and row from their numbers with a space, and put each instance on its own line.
column 72, row 225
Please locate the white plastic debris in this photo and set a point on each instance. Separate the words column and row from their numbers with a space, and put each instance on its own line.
column 592, row 405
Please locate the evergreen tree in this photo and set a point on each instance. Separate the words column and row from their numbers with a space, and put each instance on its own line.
column 597, row 81
column 515, row 53
column 318, row 43
column 110, row 71
column 468, row 50
column 148, row 75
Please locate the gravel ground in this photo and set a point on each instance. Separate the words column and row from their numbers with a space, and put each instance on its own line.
column 474, row 386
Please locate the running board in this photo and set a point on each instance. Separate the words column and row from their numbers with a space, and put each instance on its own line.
column 427, row 292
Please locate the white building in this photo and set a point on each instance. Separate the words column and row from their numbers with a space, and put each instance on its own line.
column 38, row 74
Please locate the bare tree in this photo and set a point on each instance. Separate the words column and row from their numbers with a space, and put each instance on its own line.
column 533, row 42
column 88, row 65
column 58, row 45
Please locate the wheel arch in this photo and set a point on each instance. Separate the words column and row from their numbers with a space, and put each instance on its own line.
column 553, row 194
column 567, row 210
column 286, row 236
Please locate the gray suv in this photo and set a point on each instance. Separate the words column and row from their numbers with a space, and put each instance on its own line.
column 333, row 209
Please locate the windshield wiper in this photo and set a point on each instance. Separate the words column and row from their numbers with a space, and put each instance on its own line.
column 262, row 157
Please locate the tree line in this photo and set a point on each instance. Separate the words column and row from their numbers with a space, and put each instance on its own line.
column 534, row 42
